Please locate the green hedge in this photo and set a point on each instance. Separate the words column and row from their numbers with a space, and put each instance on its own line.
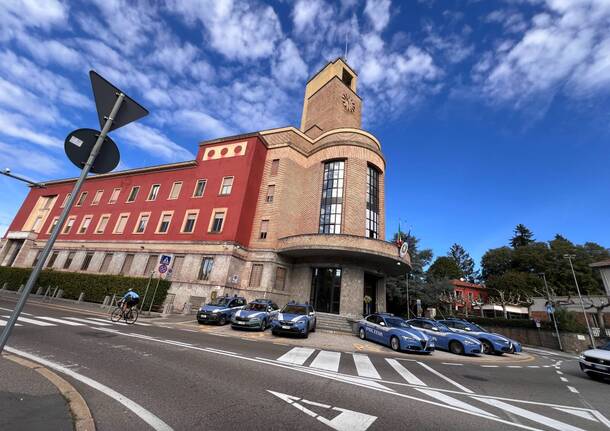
column 565, row 323
column 95, row 286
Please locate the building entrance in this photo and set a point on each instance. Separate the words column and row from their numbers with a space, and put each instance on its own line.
column 370, row 290
column 326, row 289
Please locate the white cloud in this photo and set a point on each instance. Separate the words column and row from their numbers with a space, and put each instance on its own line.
column 18, row 99
column 203, row 123
column 17, row 126
column 19, row 156
column 50, row 51
column 288, row 67
column 17, row 15
column 378, row 13
column 153, row 142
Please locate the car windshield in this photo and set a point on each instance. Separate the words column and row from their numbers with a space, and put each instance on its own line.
column 474, row 327
column 254, row 306
column 395, row 322
column 294, row 309
column 442, row 327
column 222, row 302
column 606, row 347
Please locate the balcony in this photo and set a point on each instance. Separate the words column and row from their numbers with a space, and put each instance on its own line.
column 369, row 253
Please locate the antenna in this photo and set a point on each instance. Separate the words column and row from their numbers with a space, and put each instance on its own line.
column 345, row 46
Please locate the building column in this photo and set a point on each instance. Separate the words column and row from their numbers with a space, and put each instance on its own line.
column 381, row 295
column 352, row 291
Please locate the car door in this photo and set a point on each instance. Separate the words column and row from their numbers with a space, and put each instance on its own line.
column 273, row 310
column 311, row 316
column 372, row 329
column 384, row 330
column 432, row 330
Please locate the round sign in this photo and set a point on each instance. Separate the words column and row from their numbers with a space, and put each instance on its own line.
column 78, row 146
column 404, row 248
column 162, row 269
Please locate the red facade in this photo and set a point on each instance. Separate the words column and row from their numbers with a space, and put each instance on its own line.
column 244, row 160
column 466, row 294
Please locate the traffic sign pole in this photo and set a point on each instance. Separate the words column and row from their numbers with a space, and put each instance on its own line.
column 62, row 219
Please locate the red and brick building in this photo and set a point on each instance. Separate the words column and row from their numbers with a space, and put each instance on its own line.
column 284, row 213
column 468, row 295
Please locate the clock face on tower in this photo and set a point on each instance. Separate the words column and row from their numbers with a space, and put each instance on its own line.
column 348, row 103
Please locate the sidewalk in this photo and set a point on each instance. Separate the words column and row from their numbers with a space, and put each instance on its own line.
column 29, row 401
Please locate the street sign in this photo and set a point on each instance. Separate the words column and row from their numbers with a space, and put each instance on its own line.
column 550, row 309
column 78, row 146
column 105, row 95
column 165, row 259
column 537, row 321
column 162, row 269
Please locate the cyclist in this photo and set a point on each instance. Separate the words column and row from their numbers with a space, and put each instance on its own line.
column 130, row 299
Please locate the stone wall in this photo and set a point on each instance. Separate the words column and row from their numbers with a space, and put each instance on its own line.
column 572, row 343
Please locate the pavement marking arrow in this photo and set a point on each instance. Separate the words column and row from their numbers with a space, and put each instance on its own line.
column 347, row 420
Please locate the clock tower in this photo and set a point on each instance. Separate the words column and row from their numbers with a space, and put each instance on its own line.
column 331, row 101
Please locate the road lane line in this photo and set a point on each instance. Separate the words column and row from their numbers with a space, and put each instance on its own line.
column 579, row 413
column 364, row 366
column 65, row 322
column 32, row 321
column 489, row 366
column 404, row 373
column 106, row 321
column 563, row 379
column 544, row 420
column 4, row 322
column 573, row 389
column 11, row 310
column 76, row 319
column 327, row 361
column 297, row 355
column 454, row 402
column 559, row 372
column 452, row 363
column 444, row 377
column 148, row 417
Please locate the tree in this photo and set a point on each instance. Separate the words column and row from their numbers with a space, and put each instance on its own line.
column 496, row 262
column 444, row 267
column 522, row 236
column 464, row 262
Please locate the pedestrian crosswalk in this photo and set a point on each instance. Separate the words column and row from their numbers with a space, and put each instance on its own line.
column 28, row 319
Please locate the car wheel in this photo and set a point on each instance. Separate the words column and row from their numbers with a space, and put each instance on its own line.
column 263, row 325
column 313, row 328
column 488, row 348
column 362, row 334
column 395, row 344
column 456, row 348
column 223, row 320
column 595, row 376
column 512, row 350
column 306, row 333
column 273, row 332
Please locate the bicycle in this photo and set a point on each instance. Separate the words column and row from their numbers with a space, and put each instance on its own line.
column 129, row 316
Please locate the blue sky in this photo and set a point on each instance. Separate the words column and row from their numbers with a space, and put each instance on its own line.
column 489, row 113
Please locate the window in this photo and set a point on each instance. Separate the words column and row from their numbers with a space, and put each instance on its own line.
column 151, row 264
column 346, row 77
column 133, row 194
column 37, row 257
column 52, row 260
column 256, row 275
column 127, row 264
column 121, row 223
column 68, row 225
column 52, row 225
column 81, row 199
column 106, row 262
column 331, row 206
column 217, row 221
column 264, row 228
column 97, row 197
column 280, row 278
column 275, row 167
column 36, row 224
column 84, row 225
column 270, row 193
column 372, row 203
column 102, row 223
column 69, row 260
column 199, row 188
column 154, row 191
column 205, row 269
column 177, row 265
column 142, row 223
column 65, row 202
column 48, row 200
column 190, row 218
column 114, row 196
column 227, row 185
column 86, row 261
column 176, row 188
column 164, row 221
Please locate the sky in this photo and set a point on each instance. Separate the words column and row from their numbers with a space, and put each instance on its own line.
column 489, row 114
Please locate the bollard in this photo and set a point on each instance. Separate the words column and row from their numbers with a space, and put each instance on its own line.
column 20, row 289
column 187, row 308
column 81, row 297
column 112, row 301
column 47, row 291
column 39, row 291
column 59, row 294
column 167, row 309
column 4, row 286
column 106, row 299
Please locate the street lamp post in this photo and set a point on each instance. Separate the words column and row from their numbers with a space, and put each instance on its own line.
column 408, row 303
column 548, row 296
column 582, row 304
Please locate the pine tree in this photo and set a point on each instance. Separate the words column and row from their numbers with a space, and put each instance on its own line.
column 464, row 262
column 522, row 236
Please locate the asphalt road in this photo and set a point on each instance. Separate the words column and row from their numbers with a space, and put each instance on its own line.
column 147, row 376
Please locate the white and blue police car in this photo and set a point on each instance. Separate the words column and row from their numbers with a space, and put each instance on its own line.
column 493, row 344
column 445, row 339
column 298, row 319
column 258, row 314
column 220, row 310
column 395, row 332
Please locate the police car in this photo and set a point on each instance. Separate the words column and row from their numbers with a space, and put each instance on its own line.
column 257, row 314
column 220, row 310
column 299, row 319
column 492, row 343
column 395, row 332
column 445, row 339
column 596, row 362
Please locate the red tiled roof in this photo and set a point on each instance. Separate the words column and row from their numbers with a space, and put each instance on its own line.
column 460, row 283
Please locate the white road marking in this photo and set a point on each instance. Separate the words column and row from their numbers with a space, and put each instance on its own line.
column 106, row 321
column 32, row 321
column 533, row 366
column 11, row 310
column 454, row 402
column 563, row 379
column 514, row 366
column 364, row 366
column 490, row 366
column 580, row 413
column 573, row 389
column 4, row 322
column 404, row 373
column 137, row 409
column 442, row 376
column 559, row 372
column 451, row 363
column 544, row 420
column 142, row 324
column 297, row 355
column 327, row 361
column 76, row 319
column 65, row 322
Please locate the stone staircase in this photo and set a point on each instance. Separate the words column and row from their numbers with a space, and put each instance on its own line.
column 333, row 322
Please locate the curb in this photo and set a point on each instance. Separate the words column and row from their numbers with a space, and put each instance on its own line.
column 83, row 421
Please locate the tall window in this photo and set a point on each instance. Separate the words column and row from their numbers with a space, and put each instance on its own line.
column 53, row 224
column 52, row 260
column 106, row 262
column 372, row 203
column 280, row 278
column 199, row 188
column 255, row 275
column 275, row 166
column 85, row 224
column 69, row 260
column 101, row 225
column 264, row 229
column 114, row 196
column 227, row 185
column 151, row 265
column 63, row 204
column 189, row 222
column 217, row 221
column 331, row 206
column 270, row 193
column 121, row 223
column 97, row 197
column 142, row 223
column 36, row 258
column 68, row 225
column 81, row 199
column 127, row 264
column 164, row 222
column 175, row 192
column 133, row 194
column 207, row 263
column 154, row 191
column 86, row 262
